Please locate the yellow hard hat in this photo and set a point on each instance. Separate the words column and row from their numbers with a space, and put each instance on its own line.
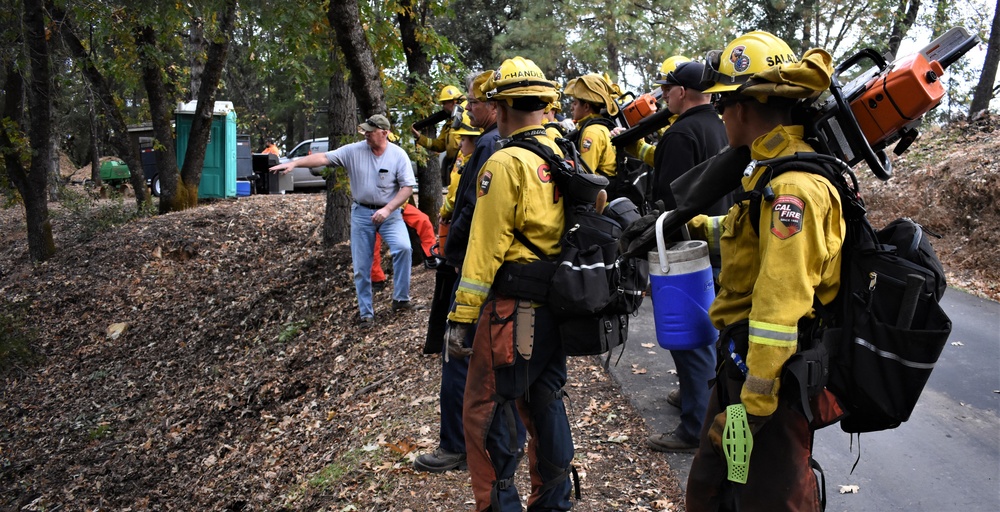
column 593, row 88
column 466, row 127
column 744, row 57
column 477, row 91
column 519, row 78
column 450, row 93
column 669, row 65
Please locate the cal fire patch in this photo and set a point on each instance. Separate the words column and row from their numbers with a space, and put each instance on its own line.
column 484, row 183
column 786, row 216
column 585, row 145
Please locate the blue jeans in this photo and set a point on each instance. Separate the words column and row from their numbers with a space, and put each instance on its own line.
column 695, row 368
column 393, row 231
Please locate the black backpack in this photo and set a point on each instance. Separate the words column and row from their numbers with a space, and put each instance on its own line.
column 875, row 345
column 592, row 287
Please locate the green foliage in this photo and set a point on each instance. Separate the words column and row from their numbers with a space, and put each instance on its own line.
column 292, row 329
column 99, row 432
column 17, row 337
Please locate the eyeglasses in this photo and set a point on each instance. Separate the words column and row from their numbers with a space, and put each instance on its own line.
column 722, row 103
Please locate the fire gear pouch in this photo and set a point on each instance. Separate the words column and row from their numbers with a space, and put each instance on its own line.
column 530, row 281
column 499, row 322
column 593, row 335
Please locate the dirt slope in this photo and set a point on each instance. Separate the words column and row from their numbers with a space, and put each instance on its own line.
column 242, row 383
column 239, row 380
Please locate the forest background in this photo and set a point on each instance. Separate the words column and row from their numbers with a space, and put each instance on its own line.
column 77, row 74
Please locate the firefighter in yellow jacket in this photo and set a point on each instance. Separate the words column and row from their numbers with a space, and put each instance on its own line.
column 517, row 360
column 768, row 281
column 592, row 94
column 447, row 140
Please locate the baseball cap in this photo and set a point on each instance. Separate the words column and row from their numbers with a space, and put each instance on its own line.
column 375, row 122
column 687, row 75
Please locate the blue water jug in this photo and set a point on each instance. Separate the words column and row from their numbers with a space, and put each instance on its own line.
column 680, row 277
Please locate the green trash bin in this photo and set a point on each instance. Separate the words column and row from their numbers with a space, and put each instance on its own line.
column 218, row 175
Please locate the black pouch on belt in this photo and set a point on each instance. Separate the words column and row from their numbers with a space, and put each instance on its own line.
column 530, row 281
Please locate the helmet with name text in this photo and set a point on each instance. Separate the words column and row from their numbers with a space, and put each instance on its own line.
column 521, row 85
column 744, row 57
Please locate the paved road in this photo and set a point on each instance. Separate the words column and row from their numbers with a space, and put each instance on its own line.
column 946, row 458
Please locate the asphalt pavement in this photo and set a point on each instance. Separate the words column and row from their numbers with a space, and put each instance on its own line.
column 946, row 457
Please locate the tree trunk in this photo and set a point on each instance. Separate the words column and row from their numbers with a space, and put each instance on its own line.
column 120, row 140
column 171, row 199
column 196, row 47
column 31, row 182
column 901, row 25
column 95, row 153
column 419, row 65
column 343, row 124
column 984, row 89
column 186, row 195
column 345, row 18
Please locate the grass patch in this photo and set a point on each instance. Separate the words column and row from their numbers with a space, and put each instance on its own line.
column 92, row 215
column 292, row 329
column 99, row 432
column 17, row 338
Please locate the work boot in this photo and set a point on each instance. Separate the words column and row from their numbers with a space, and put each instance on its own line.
column 378, row 286
column 439, row 461
column 674, row 398
column 670, row 442
column 406, row 305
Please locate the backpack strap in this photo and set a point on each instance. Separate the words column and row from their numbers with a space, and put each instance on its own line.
column 530, row 245
column 831, row 168
column 574, row 136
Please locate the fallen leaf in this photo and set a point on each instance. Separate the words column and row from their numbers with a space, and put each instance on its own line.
column 116, row 330
column 647, row 345
column 638, row 371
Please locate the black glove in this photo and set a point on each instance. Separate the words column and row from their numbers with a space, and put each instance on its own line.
column 454, row 337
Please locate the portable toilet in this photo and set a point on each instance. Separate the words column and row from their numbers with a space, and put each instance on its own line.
column 218, row 176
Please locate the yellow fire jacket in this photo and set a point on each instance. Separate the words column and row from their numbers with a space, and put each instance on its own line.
column 449, row 198
column 446, row 141
column 596, row 149
column 771, row 279
column 515, row 191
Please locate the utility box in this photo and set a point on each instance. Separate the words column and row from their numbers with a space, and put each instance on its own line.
column 218, row 175
column 244, row 157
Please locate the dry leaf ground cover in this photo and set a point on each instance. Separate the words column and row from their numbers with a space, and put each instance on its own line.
column 209, row 359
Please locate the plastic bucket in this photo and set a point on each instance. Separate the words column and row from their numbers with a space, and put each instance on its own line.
column 680, row 277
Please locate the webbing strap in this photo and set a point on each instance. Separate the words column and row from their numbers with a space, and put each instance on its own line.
column 499, row 485
column 561, row 474
column 508, row 407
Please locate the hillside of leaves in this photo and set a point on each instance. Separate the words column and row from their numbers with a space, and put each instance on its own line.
column 210, row 360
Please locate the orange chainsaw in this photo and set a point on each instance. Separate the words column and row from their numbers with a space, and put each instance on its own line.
column 885, row 103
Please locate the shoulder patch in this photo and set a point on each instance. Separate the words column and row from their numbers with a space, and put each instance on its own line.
column 484, row 183
column 786, row 216
column 585, row 144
